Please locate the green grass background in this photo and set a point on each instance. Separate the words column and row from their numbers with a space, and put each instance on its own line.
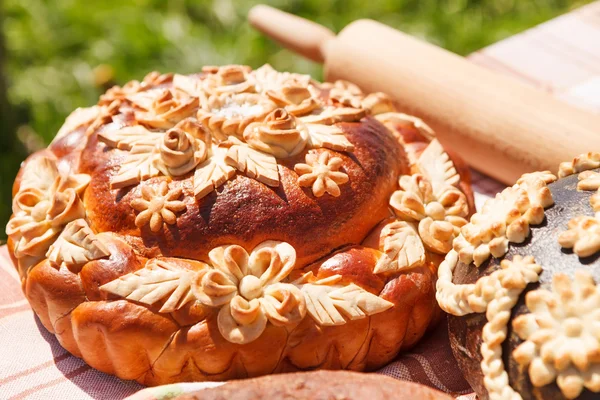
column 56, row 55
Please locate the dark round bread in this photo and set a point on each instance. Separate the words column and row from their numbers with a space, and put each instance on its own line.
column 569, row 268
column 319, row 385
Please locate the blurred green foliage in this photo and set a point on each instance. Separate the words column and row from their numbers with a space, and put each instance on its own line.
column 62, row 54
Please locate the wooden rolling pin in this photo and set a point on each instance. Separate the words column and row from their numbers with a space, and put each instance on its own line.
column 498, row 125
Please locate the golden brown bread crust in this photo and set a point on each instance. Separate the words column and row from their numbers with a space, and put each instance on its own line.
column 250, row 212
column 319, row 385
column 169, row 296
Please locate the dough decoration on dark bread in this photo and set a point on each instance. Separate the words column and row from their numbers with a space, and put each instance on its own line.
column 524, row 323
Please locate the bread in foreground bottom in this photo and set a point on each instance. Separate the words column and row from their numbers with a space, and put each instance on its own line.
column 236, row 223
column 319, row 385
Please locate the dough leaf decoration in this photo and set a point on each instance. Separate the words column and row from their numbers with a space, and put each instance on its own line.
column 435, row 164
column 331, row 305
column 401, row 246
column 129, row 136
column 138, row 166
column 76, row 246
column 256, row 164
column 212, row 173
column 328, row 136
column 158, row 280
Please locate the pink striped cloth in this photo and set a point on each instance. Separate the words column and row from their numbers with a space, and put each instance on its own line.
column 33, row 365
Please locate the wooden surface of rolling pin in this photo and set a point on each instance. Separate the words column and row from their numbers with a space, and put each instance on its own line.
column 499, row 125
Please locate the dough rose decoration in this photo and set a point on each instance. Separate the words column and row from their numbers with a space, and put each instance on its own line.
column 269, row 79
column 180, row 152
column 560, row 335
column 152, row 153
column 162, row 108
column 280, row 134
column 228, row 79
column 297, row 98
column 322, row 174
column 228, row 115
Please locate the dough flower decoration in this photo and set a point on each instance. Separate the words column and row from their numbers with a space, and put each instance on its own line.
column 588, row 180
column 583, row 236
column 582, row 162
column 268, row 79
column 347, row 94
column 152, row 153
column 583, row 233
column 560, row 335
column 279, row 134
column 228, row 79
column 212, row 124
column 322, row 173
column 228, row 115
column 162, row 108
column 505, row 218
column 432, row 200
column 150, row 81
column 297, row 99
column 157, row 205
column 440, row 216
column 248, row 290
column 47, row 200
column 332, row 111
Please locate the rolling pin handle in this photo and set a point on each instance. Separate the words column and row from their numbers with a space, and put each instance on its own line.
column 300, row 35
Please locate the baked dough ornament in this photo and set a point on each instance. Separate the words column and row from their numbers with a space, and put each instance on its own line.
column 236, row 223
column 521, row 285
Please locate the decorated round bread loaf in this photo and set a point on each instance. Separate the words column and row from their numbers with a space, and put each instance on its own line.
column 521, row 285
column 236, row 223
